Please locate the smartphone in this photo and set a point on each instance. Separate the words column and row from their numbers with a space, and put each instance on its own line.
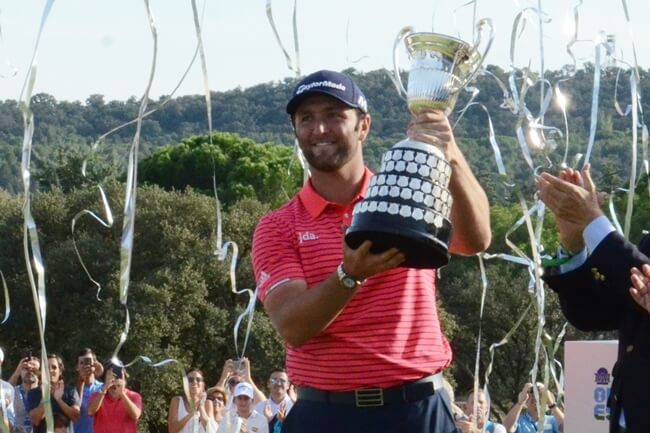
column 28, row 354
column 88, row 362
column 238, row 364
column 118, row 372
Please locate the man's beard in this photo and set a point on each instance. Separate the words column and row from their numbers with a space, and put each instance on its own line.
column 30, row 379
column 331, row 162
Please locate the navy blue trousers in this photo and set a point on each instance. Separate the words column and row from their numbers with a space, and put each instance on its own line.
column 430, row 415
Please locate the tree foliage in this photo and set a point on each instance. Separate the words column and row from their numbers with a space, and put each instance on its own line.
column 179, row 298
column 241, row 168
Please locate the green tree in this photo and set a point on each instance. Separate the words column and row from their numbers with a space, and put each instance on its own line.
column 243, row 168
column 179, row 298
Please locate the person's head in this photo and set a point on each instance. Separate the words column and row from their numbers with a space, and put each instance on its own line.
column 217, row 395
column 85, row 362
column 30, row 366
column 55, row 366
column 329, row 114
column 116, row 375
column 243, row 398
column 482, row 406
column 531, row 402
column 278, row 384
column 195, row 381
column 232, row 382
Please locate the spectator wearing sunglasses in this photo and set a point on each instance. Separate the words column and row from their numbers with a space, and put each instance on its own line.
column 278, row 405
column 217, row 395
column 193, row 415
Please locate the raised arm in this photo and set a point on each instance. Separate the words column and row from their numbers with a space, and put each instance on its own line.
column 470, row 211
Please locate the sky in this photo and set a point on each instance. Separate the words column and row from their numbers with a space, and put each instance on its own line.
column 105, row 47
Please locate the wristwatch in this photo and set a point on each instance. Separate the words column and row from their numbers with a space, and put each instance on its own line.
column 348, row 282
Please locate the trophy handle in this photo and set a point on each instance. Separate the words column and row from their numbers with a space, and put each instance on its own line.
column 485, row 22
column 397, row 80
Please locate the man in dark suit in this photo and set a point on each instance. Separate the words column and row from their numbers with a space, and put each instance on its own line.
column 592, row 277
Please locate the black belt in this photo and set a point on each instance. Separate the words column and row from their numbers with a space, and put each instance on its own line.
column 369, row 397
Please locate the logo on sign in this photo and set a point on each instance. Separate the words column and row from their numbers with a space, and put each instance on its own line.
column 601, row 394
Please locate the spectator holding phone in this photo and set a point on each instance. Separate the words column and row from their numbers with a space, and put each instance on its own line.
column 64, row 400
column 236, row 371
column 88, row 368
column 526, row 422
column 27, row 371
column 115, row 408
column 193, row 415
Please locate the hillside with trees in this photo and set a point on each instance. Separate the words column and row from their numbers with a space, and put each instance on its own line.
column 180, row 300
column 258, row 113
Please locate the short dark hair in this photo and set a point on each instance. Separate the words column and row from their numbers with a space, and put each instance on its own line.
column 59, row 361
column 108, row 365
column 278, row 370
column 83, row 352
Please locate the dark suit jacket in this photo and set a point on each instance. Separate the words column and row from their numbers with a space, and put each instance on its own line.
column 595, row 297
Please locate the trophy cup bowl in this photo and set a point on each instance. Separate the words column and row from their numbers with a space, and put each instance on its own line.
column 407, row 203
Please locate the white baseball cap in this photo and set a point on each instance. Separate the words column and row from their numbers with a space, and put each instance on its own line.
column 244, row 388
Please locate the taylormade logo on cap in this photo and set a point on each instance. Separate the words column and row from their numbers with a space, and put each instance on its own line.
column 330, row 84
column 335, row 84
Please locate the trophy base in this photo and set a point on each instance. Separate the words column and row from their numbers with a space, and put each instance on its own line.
column 423, row 250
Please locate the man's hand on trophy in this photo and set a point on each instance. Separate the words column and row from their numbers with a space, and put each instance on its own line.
column 362, row 263
column 432, row 127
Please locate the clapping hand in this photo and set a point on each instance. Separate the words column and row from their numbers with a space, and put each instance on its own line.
column 268, row 413
column 640, row 290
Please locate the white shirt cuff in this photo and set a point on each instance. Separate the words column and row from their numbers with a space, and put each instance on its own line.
column 596, row 231
column 574, row 262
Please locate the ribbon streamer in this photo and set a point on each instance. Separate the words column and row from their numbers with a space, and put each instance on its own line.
column 106, row 222
column 221, row 251
column 493, row 141
column 7, row 304
column 204, row 68
column 594, row 102
column 632, row 182
column 293, row 66
column 31, row 245
column 128, row 226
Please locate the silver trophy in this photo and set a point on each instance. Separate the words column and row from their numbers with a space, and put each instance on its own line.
column 407, row 204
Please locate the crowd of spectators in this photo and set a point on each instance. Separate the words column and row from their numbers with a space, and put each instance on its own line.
column 101, row 402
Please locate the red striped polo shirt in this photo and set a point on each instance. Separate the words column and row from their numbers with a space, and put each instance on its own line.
column 389, row 332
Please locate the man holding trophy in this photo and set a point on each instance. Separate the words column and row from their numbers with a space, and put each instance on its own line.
column 364, row 343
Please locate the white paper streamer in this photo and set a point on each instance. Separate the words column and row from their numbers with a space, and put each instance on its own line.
column 221, row 252
column 291, row 64
column 31, row 245
column 204, row 67
column 128, row 226
column 7, row 303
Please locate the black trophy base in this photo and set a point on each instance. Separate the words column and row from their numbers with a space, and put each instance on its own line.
column 423, row 249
